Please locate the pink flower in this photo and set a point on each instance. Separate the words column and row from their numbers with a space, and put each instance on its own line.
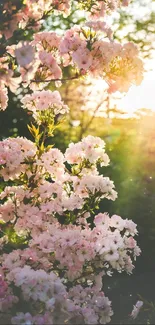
column 44, row 100
column 3, row 97
column 136, row 309
column 82, row 57
column 46, row 40
column 102, row 219
column 117, row 222
column 24, row 53
column 48, row 60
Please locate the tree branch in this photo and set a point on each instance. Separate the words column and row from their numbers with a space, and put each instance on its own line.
column 57, row 79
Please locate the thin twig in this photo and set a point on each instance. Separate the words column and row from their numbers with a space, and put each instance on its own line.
column 57, row 79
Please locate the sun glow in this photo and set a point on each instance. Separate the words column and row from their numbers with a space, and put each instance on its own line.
column 142, row 96
column 138, row 97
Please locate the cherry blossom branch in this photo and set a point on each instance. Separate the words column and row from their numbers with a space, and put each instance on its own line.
column 57, row 79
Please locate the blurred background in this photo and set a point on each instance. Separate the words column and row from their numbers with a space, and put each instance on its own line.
column 127, row 124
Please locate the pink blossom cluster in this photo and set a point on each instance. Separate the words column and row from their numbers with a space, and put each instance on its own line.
column 27, row 318
column 91, row 304
column 61, row 253
column 63, row 196
column 45, row 58
column 14, row 152
column 7, row 299
column 103, row 247
column 90, row 149
column 117, row 64
column 52, row 162
column 44, row 100
column 59, row 304
column 32, row 13
column 68, row 190
column 71, row 249
column 86, row 305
